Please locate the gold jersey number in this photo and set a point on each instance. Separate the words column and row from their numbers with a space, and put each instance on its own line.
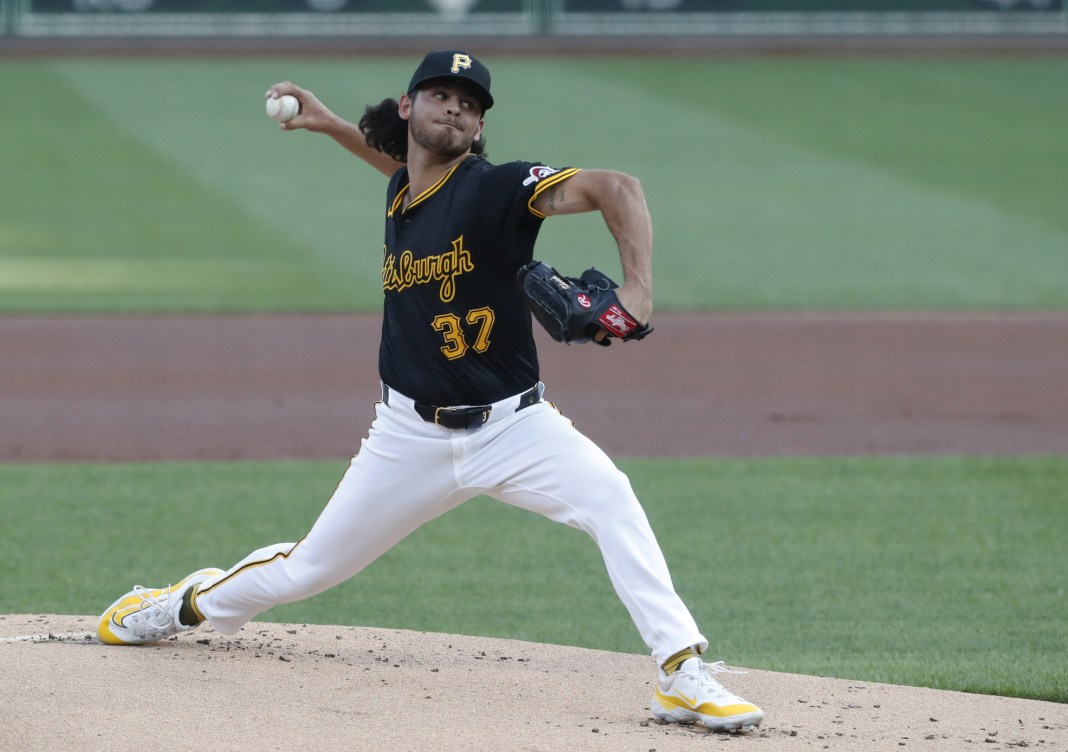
column 454, row 333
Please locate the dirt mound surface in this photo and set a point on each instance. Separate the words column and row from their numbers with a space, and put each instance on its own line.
column 281, row 686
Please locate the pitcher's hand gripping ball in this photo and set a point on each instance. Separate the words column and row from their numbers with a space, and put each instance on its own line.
column 575, row 309
column 283, row 108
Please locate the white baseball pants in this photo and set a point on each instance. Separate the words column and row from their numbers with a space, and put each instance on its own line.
column 408, row 472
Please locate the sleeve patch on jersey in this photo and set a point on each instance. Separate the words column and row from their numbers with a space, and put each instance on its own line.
column 539, row 173
column 549, row 178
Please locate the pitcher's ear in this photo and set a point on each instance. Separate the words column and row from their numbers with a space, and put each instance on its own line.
column 404, row 106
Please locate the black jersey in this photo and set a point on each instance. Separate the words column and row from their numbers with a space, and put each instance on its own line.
column 455, row 329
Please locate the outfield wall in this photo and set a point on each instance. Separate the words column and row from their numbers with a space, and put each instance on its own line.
column 36, row 19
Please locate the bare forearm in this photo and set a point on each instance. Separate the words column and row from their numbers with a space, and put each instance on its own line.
column 349, row 136
column 318, row 118
column 627, row 215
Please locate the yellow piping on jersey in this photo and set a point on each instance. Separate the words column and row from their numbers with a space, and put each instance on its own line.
column 422, row 196
column 546, row 184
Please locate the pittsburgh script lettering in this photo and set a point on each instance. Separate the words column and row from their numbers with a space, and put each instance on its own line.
column 400, row 274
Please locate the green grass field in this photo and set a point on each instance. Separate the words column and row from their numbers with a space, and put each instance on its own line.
column 789, row 183
column 846, row 183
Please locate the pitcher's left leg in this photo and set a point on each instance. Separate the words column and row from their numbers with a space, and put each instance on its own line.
column 548, row 467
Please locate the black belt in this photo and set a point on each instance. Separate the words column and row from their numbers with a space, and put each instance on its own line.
column 462, row 417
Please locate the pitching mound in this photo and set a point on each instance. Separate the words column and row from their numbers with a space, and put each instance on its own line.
column 282, row 686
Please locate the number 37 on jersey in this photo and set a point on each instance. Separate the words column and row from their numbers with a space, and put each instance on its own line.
column 478, row 321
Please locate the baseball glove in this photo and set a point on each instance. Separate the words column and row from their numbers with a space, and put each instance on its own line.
column 574, row 310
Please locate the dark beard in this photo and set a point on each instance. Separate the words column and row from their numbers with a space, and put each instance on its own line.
column 439, row 141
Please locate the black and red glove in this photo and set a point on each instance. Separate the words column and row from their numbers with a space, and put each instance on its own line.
column 575, row 309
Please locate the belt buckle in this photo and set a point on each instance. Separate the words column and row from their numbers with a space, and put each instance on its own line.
column 467, row 414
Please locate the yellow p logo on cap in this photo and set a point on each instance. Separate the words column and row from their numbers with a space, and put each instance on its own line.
column 459, row 61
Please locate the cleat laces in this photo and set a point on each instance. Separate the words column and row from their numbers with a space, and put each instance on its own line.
column 153, row 618
column 705, row 678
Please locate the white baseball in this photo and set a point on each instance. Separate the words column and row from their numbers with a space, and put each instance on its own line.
column 283, row 108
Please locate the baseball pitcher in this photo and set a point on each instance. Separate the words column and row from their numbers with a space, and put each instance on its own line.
column 462, row 400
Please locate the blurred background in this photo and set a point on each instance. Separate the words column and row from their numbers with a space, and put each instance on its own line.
column 77, row 18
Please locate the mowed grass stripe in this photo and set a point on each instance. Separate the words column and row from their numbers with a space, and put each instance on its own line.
column 846, row 183
column 99, row 220
column 911, row 183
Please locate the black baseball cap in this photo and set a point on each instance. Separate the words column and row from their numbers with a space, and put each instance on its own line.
column 454, row 64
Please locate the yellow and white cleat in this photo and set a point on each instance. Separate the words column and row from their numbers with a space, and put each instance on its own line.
column 144, row 615
column 692, row 695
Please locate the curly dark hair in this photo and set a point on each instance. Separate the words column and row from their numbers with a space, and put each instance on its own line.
column 385, row 131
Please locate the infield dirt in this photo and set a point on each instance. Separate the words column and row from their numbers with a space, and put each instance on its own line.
column 101, row 388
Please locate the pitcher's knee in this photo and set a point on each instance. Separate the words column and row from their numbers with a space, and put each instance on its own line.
column 611, row 493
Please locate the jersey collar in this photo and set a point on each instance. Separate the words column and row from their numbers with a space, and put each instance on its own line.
column 399, row 200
